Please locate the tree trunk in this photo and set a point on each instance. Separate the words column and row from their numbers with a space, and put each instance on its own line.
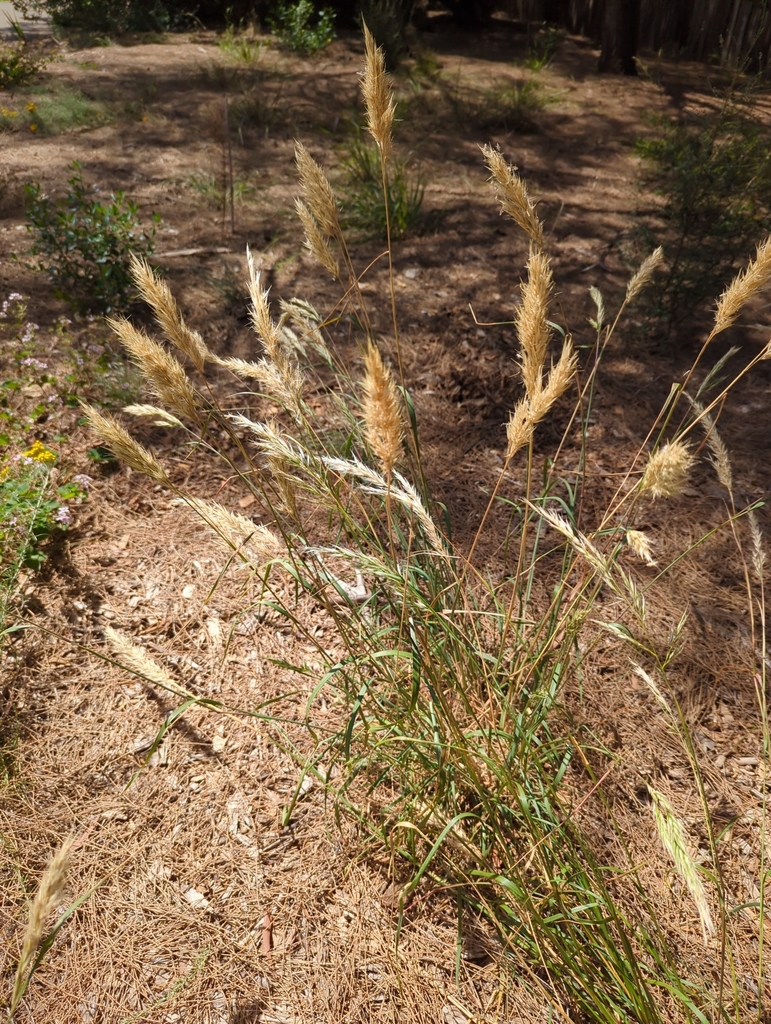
column 620, row 35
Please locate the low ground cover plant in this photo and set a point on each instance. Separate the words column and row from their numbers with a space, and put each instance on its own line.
column 52, row 111
column 19, row 62
column 84, row 245
column 447, row 740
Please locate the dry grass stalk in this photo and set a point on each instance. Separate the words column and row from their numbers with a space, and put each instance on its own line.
column 667, row 471
column 260, row 314
column 743, row 287
column 319, row 197
column 165, row 374
column 315, row 241
column 640, row 544
column 378, row 95
column 639, row 280
column 673, row 838
column 255, row 544
column 512, row 195
column 383, row 426
column 532, row 321
column 44, row 904
column 124, row 447
column 158, row 295
column 136, row 659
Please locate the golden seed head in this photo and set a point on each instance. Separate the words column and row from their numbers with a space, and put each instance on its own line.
column 315, row 241
column 532, row 321
column 640, row 544
column 165, row 374
column 667, row 471
column 743, row 287
column 383, row 427
column 124, row 447
column 378, row 95
column 758, row 548
column 157, row 294
column 319, row 197
column 639, row 280
column 512, row 195
column 719, row 456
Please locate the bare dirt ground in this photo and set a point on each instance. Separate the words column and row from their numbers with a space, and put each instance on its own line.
column 204, row 907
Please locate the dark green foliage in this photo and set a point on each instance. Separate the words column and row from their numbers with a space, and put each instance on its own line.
column 388, row 21
column 85, row 246
column 364, row 208
column 714, row 173
column 117, row 15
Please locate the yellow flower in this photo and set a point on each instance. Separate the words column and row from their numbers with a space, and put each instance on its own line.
column 4, row 473
column 31, row 108
column 33, row 127
column 8, row 113
column 39, row 453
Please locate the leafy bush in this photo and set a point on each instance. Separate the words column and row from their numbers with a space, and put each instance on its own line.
column 112, row 16
column 301, row 28
column 85, row 246
column 364, row 208
column 19, row 62
column 714, row 174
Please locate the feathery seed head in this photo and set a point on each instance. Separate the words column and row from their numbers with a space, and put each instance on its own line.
column 640, row 279
column 746, row 283
column 531, row 320
column 719, row 456
column 315, row 241
column 640, row 543
column 512, row 195
column 157, row 294
column 136, row 659
column 319, row 197
column 124, row 447
column 519, row 429
column 165, row 374
column 254, row 544
column 260, row 313
column 758, row 548
column 382, row 417
column 378, row 95
column 667, row 471
column 46, row 900
column 673, row 838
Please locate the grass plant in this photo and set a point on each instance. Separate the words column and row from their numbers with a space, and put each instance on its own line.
column 512, row 106
column 448, row 743
column 365, row 213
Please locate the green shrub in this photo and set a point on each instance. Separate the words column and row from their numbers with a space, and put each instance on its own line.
column 113, row 15
column 714, row 174
column 85, row 245
column 364, row 208
column 301, row 28
column 19, row 62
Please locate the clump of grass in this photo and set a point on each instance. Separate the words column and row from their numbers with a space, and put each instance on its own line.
column 512, row 106
column 451, row 752
column 240, row 46
column 211, row 188
column 542, row 47
column 365, row 212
